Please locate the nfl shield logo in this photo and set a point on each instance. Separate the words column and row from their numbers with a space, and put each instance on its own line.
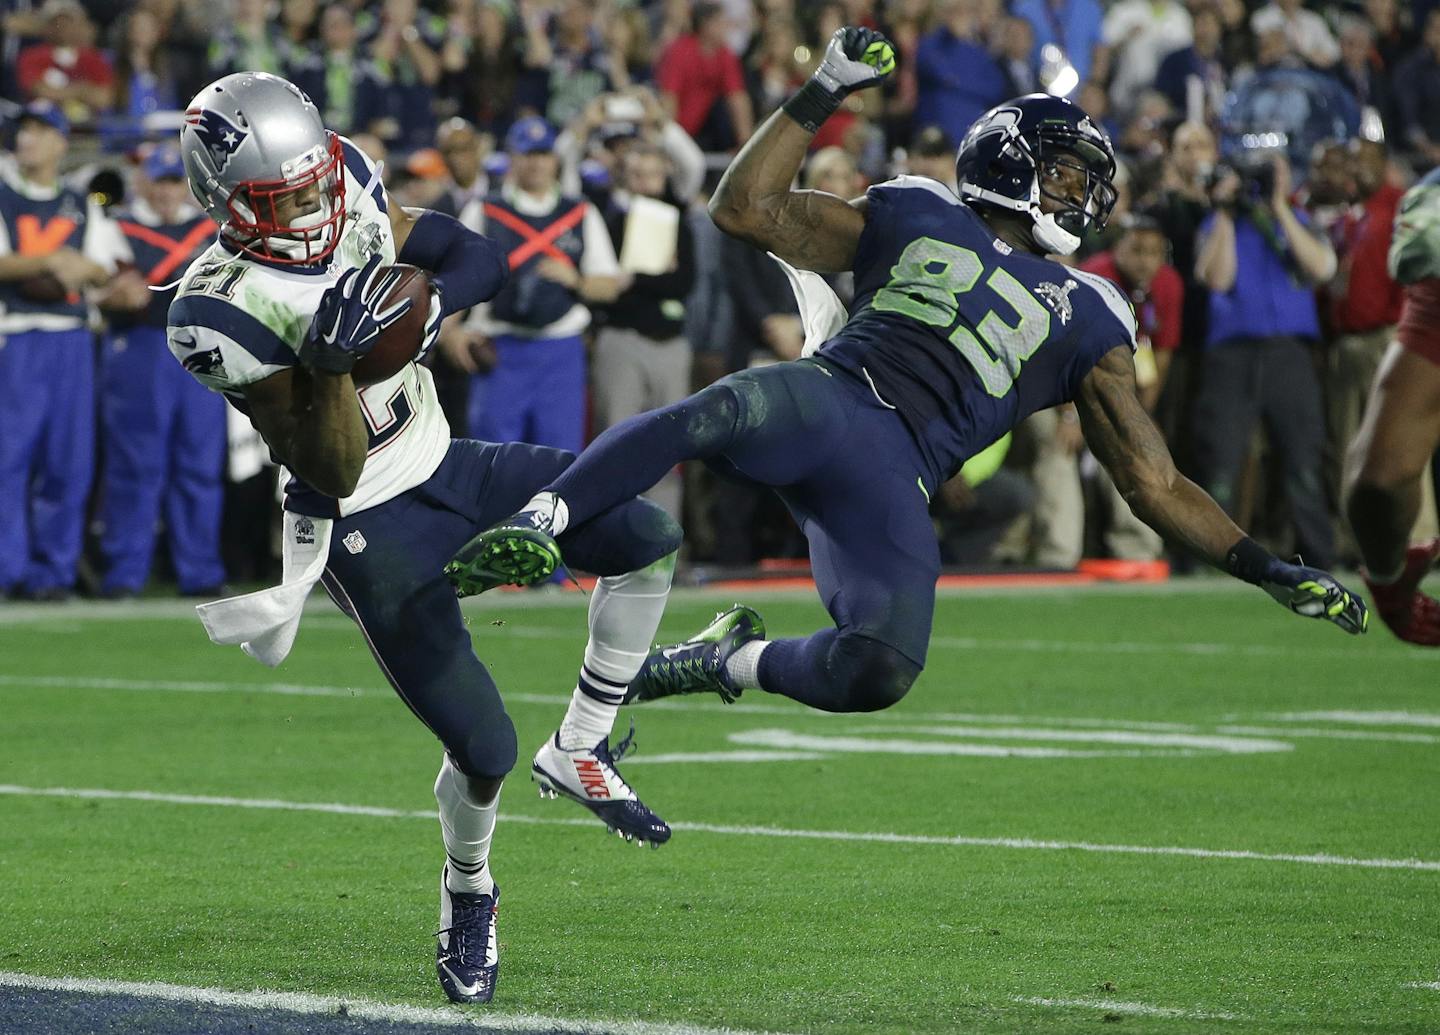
column 354, row 542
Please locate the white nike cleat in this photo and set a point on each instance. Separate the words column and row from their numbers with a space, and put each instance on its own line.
column 467, row 956
column 589, row 776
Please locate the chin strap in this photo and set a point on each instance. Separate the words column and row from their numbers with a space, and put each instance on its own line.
column 1050, row 235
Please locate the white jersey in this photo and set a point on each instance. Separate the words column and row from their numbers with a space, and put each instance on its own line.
column 237, row 320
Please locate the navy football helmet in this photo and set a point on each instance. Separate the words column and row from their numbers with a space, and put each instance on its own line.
column 1002, row 160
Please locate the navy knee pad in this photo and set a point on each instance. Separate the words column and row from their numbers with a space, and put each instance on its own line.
column 487, row 751
column 871, row 675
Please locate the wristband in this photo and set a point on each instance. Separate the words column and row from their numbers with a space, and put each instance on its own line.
column 1249, row 561
column 812, row 105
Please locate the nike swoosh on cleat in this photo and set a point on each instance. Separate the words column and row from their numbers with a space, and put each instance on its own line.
column 461, row 986
column 669, row 652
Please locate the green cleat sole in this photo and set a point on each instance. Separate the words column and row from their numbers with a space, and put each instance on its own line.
column 501, row 557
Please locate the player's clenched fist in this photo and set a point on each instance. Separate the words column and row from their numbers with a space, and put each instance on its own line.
column 855, row 58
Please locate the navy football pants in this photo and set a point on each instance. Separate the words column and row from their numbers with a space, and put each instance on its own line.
column 164, row 451
column 855, row 481
column 47, row 455
column 385, row 572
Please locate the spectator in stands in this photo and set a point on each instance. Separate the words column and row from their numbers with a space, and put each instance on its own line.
column 1183, row 205
column 958, row 79
column 1260, row 260
column 1363, row 300
column 164, row 435
column 561, row 259
column 1194, row 78
column 50, row 239
column 774, row 70
column 1138, row 265
column 463, row 151
column 1392, row 40
column 1072, row 27
column 403, row 46
column 144, row 78
column 1015, row 51
column 344, row 86
column 1305, row 31
column 932, row 154
column 702, row 84
column 1417, row 94
column 567, row 60
column 487, row 85
column 298, row 20
column 1137, row 34
column 609, row 124
column 1361, row 71
column 642, row 360
column 973, row 509
column 67, row 68
column 249, row 41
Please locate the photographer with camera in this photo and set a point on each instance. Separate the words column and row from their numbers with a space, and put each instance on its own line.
column 1261, row 261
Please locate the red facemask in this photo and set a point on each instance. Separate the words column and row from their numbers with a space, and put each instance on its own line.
column 261, row 234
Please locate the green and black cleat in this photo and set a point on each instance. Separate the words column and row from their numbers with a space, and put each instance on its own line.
column 698, row 665
column 509, row 554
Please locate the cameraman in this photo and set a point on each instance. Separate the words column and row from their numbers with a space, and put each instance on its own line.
column 1260, row 261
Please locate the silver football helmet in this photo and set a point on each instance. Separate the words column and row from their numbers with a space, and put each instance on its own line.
column 262, row 164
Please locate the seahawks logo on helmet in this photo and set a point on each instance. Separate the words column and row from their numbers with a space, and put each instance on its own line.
column 220, row 138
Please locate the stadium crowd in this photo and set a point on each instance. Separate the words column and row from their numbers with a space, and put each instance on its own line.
column 1264, row 151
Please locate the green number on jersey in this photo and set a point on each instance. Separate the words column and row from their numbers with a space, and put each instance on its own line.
column 925, row 285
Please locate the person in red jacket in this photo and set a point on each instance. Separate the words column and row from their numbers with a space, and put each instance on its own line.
column 1362, row 302
column 67, row 69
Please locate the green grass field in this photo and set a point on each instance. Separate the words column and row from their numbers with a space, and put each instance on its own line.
column 967, row 861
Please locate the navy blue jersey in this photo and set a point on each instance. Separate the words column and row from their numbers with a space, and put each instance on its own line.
column 961, row 334
column 38, row 222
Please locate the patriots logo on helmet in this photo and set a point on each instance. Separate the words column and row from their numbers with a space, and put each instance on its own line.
column 216, row 133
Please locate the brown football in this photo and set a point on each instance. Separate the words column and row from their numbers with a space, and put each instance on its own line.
column 401, row 340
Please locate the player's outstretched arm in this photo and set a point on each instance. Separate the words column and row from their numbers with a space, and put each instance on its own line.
column 1124, row 438
column 809, row 229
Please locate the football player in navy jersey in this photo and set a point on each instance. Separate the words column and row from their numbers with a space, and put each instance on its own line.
column 960, row 329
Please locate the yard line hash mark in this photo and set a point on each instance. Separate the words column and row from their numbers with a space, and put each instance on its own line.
column 872, row 837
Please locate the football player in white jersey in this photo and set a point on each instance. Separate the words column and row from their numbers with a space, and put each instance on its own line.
column 275, row 315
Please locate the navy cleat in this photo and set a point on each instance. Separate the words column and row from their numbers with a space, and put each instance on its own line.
column 589, row 776
column 467, row 956
column 698, row 665
column 519, row 551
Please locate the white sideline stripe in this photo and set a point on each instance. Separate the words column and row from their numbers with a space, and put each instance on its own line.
column 1330, row 734
column 1433, row 986
column 789, row 739
column 1318, row 859
column 1116, row 1006
column 1228, row 745
column 365, row 1009
column 1392, row 718
column 197, row 686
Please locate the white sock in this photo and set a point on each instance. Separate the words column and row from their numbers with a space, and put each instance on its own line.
column 467, row 826
column 553, row 508
column 743, row 667
column 625, row 611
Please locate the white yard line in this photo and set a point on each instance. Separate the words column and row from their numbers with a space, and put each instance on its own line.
column 1358, row 718
column 1118, row 1006
column 365, row 1009
column 1432, row 986
column 725, row 830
